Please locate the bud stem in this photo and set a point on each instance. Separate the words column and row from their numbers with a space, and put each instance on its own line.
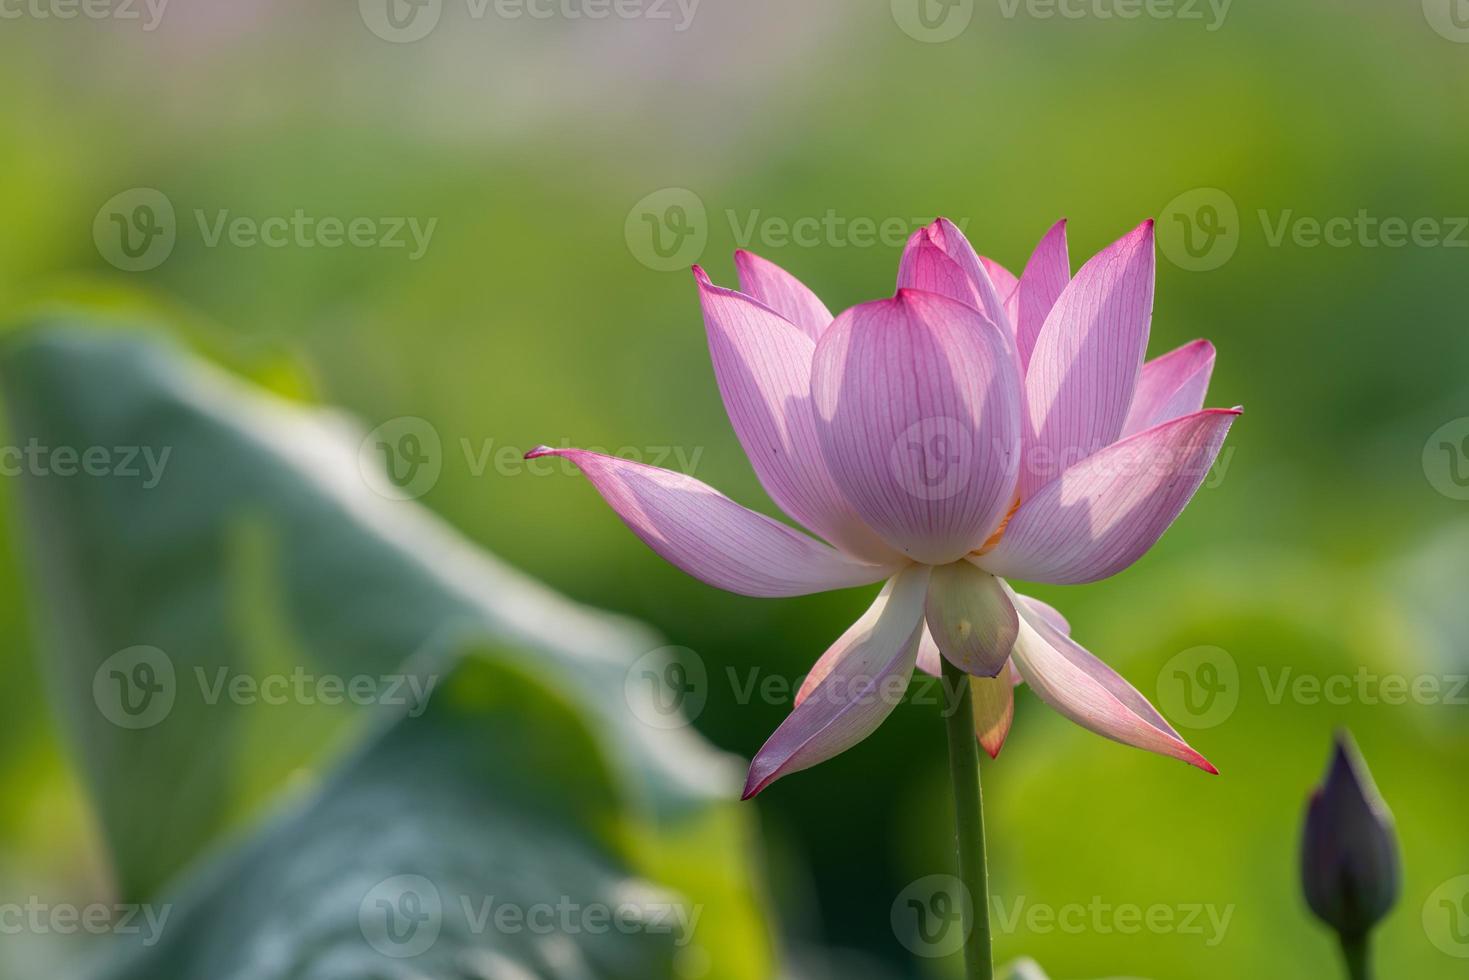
column 1355, row 950
column 969, row 822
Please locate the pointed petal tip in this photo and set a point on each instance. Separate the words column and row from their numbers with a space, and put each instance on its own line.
column 993, row 751
column 700, row 275
column 540, row 451
column 754, row 784
column 1199, row 762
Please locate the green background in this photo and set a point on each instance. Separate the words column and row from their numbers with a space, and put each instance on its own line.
column 1330, row 541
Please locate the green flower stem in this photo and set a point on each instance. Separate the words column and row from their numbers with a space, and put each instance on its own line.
column 969, row 821
column 1356, row 951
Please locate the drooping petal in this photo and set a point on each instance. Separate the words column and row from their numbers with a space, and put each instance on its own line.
column 1041, row 284
column 1171, row 385
column 714, row 539
column 763, row 366
column 1087, row 691
column 1105, row 512
column 1048, row 612
column 930, row 661
column 782, row 292
column 1084, row 368
column 970, row 618
column 857, row 684
column 918, row 415
column 994, row 708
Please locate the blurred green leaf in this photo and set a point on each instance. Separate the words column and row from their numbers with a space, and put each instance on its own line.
column 443, row 847
column 228, row 542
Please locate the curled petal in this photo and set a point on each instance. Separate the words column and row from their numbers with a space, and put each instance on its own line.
column 714, row 539
column 970, row 618
column 1081, row 375
column 918, row 417
column 763, row 366
column 994, row 708
column 1093, row 695
column 1041, row 284
column 782, row 292
column 1171, row 385
column 854, row 686
column 1105, row 512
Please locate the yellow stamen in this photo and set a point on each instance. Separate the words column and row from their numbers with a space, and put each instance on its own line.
column 994, row 539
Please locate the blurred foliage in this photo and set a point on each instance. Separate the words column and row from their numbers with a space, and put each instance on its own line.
column 519, row 777
column 1324, row 547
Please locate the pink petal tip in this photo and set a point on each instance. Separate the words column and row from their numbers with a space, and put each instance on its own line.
column 753, row 786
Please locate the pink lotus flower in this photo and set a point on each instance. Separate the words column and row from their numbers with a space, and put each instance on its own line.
column 975, row 427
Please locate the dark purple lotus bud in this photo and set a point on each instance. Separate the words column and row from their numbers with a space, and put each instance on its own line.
column 1349, row 854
